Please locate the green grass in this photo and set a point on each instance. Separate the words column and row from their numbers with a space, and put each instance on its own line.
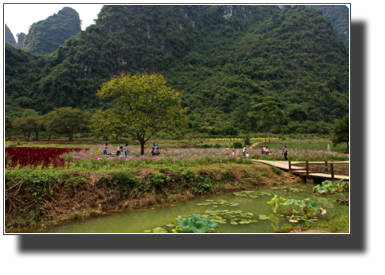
column 304, row 145
column 335, row 223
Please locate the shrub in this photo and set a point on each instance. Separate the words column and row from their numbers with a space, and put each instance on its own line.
column 276, row 170
column 217, row 145
column 206, row 146
column 247, row 141
column 237, row 144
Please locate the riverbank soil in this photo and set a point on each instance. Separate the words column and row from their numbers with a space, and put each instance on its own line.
column 35, row 200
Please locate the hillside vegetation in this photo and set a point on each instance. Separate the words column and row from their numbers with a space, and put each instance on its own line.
column 338, row 15
column 47, row 35
column 216, row 56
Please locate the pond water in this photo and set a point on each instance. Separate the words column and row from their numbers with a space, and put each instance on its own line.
column 140, row 220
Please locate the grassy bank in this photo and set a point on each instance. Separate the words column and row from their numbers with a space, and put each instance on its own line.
column 42, row 198
column 332, row 223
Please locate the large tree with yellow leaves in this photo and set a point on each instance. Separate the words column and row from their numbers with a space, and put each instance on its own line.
column 142, row 106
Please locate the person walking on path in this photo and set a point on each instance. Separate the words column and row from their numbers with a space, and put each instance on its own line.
column 244, row 151
column 105, row 149
column 127, row 150
column 285, row 152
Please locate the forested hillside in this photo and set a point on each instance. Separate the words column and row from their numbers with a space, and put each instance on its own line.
column 47, row 35
column 9, row 38
column 338, row 15
column 217, row 56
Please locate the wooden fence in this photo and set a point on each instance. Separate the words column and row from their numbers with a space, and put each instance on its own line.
column 332, row 168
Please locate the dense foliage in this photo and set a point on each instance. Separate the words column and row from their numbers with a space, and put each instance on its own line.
column 338, row 15
column 341, row 131
column 47, row 35
column 142, row 107
column 218, row 57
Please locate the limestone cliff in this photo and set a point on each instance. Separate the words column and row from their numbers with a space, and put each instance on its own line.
column 9, row 39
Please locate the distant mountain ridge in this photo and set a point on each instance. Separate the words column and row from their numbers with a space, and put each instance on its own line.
column 9, row 38
column 217, row 56
column 47, row 35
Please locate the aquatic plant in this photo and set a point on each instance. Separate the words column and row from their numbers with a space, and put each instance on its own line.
column 328, row 187
column 235, row 217
column 307, row 209
column 195, row 224
column 192, row 224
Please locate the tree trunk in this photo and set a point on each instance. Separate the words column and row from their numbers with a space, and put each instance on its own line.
column 49, row 136
column 142, row 142
column 37, row 135
column 70, row 136
column 269, row 136
column 24, row 135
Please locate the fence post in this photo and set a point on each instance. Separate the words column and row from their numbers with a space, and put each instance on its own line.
column 289, row 165
column 307, row 169
column 326, row 166
column 332, row 170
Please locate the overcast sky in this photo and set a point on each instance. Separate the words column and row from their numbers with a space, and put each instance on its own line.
column 19, row 17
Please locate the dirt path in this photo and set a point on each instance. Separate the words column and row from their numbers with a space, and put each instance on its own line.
column 255, row 144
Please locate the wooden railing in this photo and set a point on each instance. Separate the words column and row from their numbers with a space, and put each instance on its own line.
column 332, row 168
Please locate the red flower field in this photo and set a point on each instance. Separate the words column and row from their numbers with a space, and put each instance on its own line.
column 36, row 156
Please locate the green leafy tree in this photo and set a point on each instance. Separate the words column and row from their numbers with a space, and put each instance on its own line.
column 28, row 123
column 341, row 132
column 266, row 112
column 44, row 121
column 8, row 122
column 67, row 120
column 142, row 106
column 244, row 120
column 106, row 125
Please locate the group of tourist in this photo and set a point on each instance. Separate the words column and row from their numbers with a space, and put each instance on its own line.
column 155, row 152
column 119, row 150
column 244, row 153
column 265, row 151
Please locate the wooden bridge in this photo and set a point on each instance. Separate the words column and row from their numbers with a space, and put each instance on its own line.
column 320, row 170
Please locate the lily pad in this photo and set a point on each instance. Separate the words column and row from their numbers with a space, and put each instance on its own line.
column 159, row 230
